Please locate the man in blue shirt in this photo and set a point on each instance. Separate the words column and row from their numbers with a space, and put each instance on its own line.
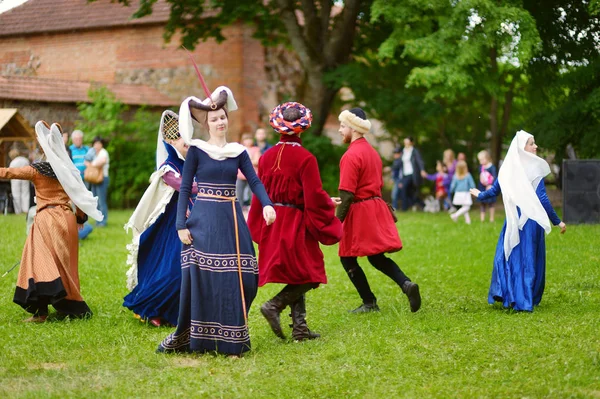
column 78, row 150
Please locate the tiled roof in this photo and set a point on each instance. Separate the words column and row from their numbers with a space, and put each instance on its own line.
column 69, row 91
column 40, row 16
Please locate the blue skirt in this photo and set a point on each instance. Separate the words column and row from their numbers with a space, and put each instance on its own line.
column 159, row 269
column 519, row 282
column 211, row 315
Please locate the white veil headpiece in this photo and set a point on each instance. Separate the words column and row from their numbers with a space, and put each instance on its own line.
column 68, row 175
column 519, row 177
column 186, row 127
column 161, row 150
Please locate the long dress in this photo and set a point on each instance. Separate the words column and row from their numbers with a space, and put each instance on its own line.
column 369, row 227
column 49, row 266
column 519, row 281
column 157, row 292
column 211, row 314
column 289, row 250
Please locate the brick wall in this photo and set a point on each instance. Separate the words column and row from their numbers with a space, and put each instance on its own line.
column 139, row 55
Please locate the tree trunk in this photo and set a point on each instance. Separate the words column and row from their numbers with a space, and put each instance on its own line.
column 318, row 97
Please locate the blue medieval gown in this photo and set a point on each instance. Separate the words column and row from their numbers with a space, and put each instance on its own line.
column 519, row 281
column 211, row 315
column 159, row 261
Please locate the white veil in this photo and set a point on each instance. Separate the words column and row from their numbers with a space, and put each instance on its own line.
column 519, row 178
column 186, row 127
column 68, row 175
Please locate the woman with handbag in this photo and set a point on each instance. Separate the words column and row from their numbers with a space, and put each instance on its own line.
column 96, row 174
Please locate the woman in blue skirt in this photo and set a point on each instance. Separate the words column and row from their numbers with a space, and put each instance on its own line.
column 519, row 273
column 154, row 276
column 219, row 268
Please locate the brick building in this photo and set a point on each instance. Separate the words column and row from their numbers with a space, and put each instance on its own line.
column 51, row 51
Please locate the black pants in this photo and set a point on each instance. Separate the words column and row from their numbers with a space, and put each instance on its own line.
column 379, row 262
column 409, row 193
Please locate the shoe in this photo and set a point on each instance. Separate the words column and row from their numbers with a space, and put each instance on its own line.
column 454, row 217
column 155, row 321
column 414, row 297
column 366, row 308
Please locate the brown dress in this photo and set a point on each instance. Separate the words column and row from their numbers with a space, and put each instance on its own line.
column 49, row 272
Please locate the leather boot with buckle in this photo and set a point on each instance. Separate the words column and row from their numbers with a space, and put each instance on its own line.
column 273, row 308
column 300, row 330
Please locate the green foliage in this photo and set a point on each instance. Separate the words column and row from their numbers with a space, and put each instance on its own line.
column 575, row 116
column 131, row 144
column 328, row 157
column 456, row 346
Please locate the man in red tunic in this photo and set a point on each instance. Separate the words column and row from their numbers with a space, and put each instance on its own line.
column 289, row 250
column 368, row 222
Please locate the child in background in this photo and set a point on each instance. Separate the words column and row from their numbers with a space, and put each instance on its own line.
column 487, row 176
column 439, row 178
column 462, row 182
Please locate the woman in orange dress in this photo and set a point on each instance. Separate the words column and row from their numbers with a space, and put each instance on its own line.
column 49, row 266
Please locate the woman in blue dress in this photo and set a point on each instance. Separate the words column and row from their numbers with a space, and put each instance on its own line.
column 519, row 273
column 219, row 268
column 154, row 276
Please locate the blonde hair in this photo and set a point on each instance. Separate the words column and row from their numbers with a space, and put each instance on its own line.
column 448, row 156
column 462, row 170
column 485, row 154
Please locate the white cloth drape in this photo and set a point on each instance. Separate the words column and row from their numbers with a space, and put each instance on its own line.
column 68, row 175
column 519, row 177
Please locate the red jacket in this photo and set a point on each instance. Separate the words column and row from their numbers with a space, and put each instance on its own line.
column 289, row 250
column 369, row 227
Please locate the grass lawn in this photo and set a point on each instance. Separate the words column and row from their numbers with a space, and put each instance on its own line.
column 456, row 346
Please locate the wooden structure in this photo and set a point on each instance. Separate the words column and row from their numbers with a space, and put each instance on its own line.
column 14, row 129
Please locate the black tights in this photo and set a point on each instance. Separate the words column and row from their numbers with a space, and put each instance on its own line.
column 379, row 262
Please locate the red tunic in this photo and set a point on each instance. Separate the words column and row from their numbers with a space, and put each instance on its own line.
column 288, row 249
column 369, row 227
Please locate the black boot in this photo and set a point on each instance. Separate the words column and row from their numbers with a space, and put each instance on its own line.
column 300, row 330
column 273, row 308
column 412, row 292
column 365, row 308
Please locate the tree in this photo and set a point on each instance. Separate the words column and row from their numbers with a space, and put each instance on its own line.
column 321, row 32
column 498, row 54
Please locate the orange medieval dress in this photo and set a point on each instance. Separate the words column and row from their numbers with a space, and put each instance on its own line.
column 49, row 266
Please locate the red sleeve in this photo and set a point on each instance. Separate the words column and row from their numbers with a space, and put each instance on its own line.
column 319, row 210
column 348, row 174
column 255, row 219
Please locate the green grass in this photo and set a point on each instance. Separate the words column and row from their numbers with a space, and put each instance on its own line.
column 456, row 346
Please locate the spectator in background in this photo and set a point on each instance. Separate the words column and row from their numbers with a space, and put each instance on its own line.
column 97, row 156
column 396, row 181
column 242, row 187
column 449, row 161
column 410, row 172
column 65, row 137
column 19, row 188
column 487, row 176
column 261, row 140
column 78, row 151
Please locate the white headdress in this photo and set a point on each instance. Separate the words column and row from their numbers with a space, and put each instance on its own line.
column 220, row 98
column 68, row 175
column 519, row 177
